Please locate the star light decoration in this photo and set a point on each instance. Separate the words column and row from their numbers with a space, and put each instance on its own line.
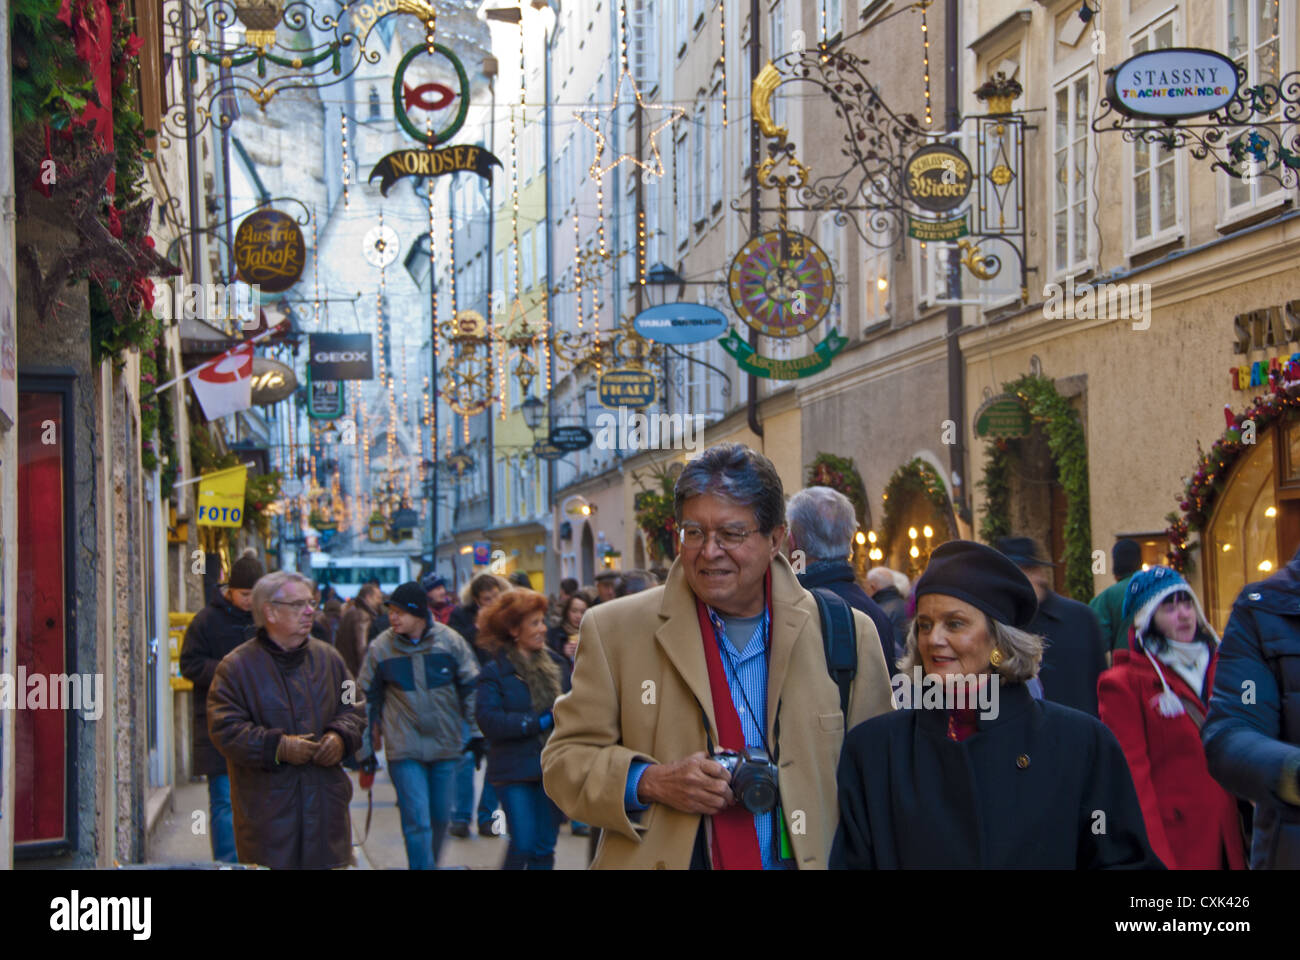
column 595, row 119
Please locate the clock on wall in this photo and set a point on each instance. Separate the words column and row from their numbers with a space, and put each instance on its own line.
column 380, row 246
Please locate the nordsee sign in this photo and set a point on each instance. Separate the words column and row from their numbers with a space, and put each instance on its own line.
column 1172, row 84
column 679, row 323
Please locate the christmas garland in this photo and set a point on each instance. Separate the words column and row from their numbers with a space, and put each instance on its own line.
column 1068, row 446
column 839, row 473
column 656, row 515
column 915, row 476
column 1202, row 489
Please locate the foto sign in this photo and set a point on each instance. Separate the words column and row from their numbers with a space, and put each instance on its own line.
column 570, row 438
column 340, row 356
column 679, row 323
column 626, row 388
column 1172, row 84
column 547, row 450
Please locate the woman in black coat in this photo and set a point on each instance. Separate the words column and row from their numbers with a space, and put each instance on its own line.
column 974, row 772
column 516, row 691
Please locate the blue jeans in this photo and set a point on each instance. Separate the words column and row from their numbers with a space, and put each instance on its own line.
column 222, row 827
column 487, row 801
column 424, row 797
column 533, row 822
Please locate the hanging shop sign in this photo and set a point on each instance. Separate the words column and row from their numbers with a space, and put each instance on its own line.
column 570, row 438
column 325, row 400
column 269, row 250
column 751, row 361
column 1172, row 84
column 546, row 450
column 340, row 356
column 938, row 177
column 781, row 284
column 938, row 231
column 626, row 388
column 405, row 519
column 221, row 498
column 1002, row 417
column 440, row 102
column 680, row 323
column 482, row 552
column 463, row 158
column 272, row 381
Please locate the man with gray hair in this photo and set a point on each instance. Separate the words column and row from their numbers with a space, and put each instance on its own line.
column 704, row 726
column 822, row 524
column 883, row 588
column 284, row 712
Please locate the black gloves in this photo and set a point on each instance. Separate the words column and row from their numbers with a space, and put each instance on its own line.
column 478, row 747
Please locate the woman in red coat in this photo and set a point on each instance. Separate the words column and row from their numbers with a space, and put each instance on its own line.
column 1154, row 700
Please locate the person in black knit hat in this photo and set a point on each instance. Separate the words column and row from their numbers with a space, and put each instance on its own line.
column 225, row 623
column 1018, row 784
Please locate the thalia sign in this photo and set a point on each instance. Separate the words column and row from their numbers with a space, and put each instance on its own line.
column 1172, row 84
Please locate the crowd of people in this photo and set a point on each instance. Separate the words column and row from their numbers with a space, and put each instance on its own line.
column 746, row 708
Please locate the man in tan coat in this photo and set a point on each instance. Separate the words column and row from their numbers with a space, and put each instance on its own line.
column 731, row 641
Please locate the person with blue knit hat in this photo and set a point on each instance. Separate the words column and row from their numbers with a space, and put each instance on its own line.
column 1014, row 784
column 1154, row 701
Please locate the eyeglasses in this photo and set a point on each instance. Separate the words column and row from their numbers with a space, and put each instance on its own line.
column 298, row 605
column 728, row 538
column 1180, row 599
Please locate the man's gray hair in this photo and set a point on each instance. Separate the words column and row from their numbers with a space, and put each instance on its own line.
column 269, row 587
column 1022, row 652
column 882, row 578
column 822, row 522
column 738, row 474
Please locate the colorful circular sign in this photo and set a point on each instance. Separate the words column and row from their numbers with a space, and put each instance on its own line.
column 1172, row 84
column 434, row 97
column 781, row 284
column 938, row 177
column 269, row 250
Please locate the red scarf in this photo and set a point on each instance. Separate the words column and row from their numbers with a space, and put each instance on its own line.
column 735, row 839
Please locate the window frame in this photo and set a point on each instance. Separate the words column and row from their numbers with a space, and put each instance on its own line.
column 1177, row 230
column 1083, row 261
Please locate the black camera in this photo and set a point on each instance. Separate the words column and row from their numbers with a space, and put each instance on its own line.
column 753, row 777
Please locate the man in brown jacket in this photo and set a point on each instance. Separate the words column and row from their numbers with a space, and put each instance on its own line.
column 727, row 655
column 284, row 712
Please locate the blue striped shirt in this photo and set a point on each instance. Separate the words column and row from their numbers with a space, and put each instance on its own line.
column 746, row 672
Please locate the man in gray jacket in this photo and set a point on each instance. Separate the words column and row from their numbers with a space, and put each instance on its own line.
column 418, row 678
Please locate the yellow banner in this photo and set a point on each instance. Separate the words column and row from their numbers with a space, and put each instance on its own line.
column 221, row 498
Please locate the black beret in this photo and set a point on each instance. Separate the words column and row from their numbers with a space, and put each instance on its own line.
column 982, row 577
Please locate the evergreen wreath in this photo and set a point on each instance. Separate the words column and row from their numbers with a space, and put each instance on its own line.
column 1068, row 446
column 915, row 476
column 841, row 474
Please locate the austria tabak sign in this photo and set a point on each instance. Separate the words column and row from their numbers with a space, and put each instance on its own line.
column 269, row 250
column 1172, row 84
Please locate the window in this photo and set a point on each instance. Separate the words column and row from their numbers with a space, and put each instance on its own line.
column 683, row 27
column 498, row 508
column 698, row 172
column 1254, row 41
column 681, row 186
column 498, row 282
column 716, row 148
column 526, row 258
column 1070, row 172
column 1155, row 169
column 777, row 40
column 875, row 292
column 374, row 103
column 834, row 10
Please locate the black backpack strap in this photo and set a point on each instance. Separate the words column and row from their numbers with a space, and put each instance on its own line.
column 839, row 641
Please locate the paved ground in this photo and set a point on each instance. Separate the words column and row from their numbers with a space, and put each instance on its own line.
column 176, row 842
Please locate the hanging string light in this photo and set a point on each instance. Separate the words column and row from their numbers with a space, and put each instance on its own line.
column 315, row 272
column 343, row 123
column 578, row 276
column 925, row 42
column 722, row 14
column 640, row 247
column 433, row 311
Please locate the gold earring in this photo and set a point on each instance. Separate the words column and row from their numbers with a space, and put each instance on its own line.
column 996, row 658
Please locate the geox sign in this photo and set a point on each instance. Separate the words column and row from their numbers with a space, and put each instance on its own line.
column 341, row 356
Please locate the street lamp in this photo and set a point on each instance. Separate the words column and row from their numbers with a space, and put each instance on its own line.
column 533, row 410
